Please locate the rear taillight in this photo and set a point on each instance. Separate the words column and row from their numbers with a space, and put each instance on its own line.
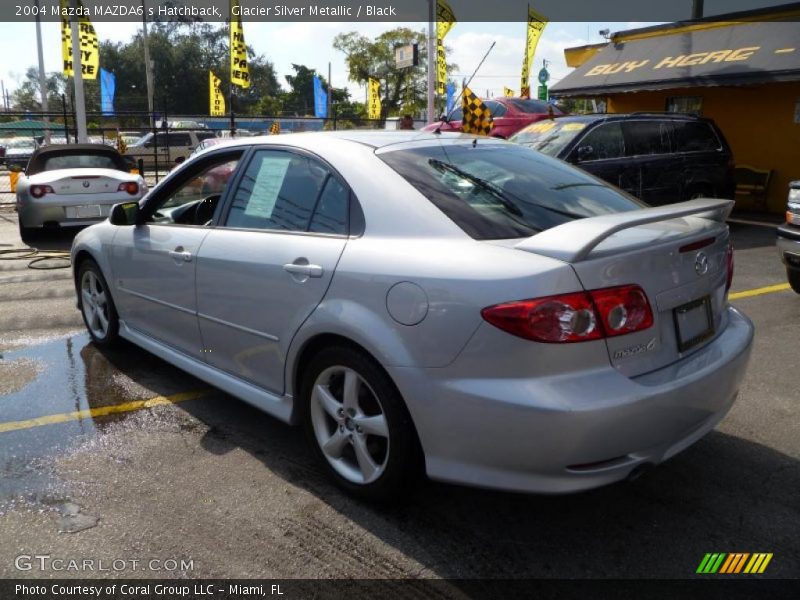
column 577, row 317
column 623, row 309
column 131, row 187
column 37, row 191
column 729, row 265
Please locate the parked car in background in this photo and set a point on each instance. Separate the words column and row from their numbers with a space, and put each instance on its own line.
column 19, row 151
column 73, row 185
column 166, row 148
column 2, row 152
column 789, row 237
column 658, row 157
column 508, row 114
column 445, row 302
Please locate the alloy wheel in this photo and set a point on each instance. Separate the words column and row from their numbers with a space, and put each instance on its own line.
column 94, row 303
column 350, row 425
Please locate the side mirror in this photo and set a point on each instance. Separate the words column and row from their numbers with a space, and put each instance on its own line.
column 585, row 152
column 125, row 213
column 148, row 144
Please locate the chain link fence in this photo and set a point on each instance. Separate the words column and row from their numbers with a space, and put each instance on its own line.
column 155, row 142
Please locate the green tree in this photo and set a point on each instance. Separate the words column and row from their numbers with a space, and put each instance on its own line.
column 402, row 90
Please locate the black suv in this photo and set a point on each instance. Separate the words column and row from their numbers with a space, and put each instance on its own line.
column 658, row 157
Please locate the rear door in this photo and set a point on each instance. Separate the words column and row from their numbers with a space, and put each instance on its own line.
column 266, row 268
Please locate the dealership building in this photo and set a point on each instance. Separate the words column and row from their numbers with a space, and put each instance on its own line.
column 741, row 70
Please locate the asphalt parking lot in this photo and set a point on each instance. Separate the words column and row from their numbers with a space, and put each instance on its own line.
column 162, row 467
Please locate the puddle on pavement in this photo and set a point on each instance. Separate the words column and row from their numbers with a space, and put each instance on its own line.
column 61, row 376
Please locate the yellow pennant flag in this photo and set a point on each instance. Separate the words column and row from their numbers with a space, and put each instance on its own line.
column 240, row 72
column 216, row 99
column 477, row 116
column 275, row 128
column 445, row 19
column 508, row 92
column 88, row 44
column 373, row 99
column 536, row 25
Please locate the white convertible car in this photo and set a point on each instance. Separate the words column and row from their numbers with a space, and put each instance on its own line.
column 73, row 185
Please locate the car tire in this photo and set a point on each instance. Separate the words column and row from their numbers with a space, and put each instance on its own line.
column 28, row 234
column 366, row 443
column 96, row 305
column 794, row 279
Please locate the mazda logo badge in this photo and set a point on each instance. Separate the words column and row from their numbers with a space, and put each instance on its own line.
column 85, row 184
column 701, row 263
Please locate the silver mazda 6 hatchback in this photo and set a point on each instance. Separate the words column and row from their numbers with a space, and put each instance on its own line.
column 438, row 303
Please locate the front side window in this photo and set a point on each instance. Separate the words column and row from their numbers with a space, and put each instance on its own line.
column 285, row 191
column 503, row 191
column 193, row 199
column 601, row 143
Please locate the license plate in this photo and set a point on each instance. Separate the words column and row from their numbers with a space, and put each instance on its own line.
column 693, row 323
column 84, row 212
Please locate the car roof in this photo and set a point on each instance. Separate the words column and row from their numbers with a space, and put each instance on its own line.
column 591, row 118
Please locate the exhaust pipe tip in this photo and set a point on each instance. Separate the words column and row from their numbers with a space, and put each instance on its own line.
column 639, row 470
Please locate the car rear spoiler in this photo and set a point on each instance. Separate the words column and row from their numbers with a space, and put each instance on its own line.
column 574, row 241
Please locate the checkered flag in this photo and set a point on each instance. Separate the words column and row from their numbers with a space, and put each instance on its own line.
column 477, row 116
column 275, row 128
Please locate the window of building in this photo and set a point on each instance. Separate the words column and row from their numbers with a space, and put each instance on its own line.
column 692, row 105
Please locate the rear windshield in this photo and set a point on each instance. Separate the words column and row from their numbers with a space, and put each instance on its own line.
column 549, row 137
column 503, row 191
column 82, row 161
column 532, row 106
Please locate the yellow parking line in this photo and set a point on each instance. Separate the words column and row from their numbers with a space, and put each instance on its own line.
column 102, row 411
column 759, row 291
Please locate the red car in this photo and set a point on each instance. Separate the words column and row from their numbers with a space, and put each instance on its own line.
column 509, row 115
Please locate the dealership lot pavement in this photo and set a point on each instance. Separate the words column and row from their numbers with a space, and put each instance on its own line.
column 199, row 477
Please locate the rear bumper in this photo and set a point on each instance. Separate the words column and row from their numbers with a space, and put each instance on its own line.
column 789, row 246
column 570, row 432
column 50, row 211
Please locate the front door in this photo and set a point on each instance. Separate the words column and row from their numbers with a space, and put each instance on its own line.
column 263, row 271
column 154, row 263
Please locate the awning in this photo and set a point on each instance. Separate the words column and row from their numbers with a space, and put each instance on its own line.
column 734, row 54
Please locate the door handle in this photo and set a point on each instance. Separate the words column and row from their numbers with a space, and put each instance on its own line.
column 303, row 269
column 181, row 254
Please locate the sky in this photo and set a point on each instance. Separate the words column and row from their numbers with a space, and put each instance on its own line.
column 311, row 44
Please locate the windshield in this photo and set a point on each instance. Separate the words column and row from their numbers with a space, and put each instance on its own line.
column 549, row 137
column 504, row 191
column 82, row 161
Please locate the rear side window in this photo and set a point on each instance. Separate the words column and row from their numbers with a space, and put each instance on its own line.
column 601, row 143
column 695, row 136
column 647, row 137
column 289, row 192
column 179, row 139
column 504, row 191
column 497, row 109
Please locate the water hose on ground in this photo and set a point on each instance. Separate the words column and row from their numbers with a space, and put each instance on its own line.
column 44, row 260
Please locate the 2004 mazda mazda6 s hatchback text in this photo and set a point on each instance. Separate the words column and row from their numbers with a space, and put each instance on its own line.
column 456, row 304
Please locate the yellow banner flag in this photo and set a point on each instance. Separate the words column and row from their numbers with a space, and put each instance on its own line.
column 508, row 92
column 373, row 99
column 477, row 116
column 89, row 45
column 536, row 25
column 445, row 19
column 216, row 99
column 240, row 72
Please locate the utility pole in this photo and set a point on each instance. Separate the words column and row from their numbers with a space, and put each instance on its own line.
column 697, row 9
column 330, row 93
column 42, row 76
column 3, row 91
column 148, row 66
column 431, row 114
column 80, row 102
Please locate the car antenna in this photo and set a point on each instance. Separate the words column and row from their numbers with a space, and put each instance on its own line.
column 461, row 93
